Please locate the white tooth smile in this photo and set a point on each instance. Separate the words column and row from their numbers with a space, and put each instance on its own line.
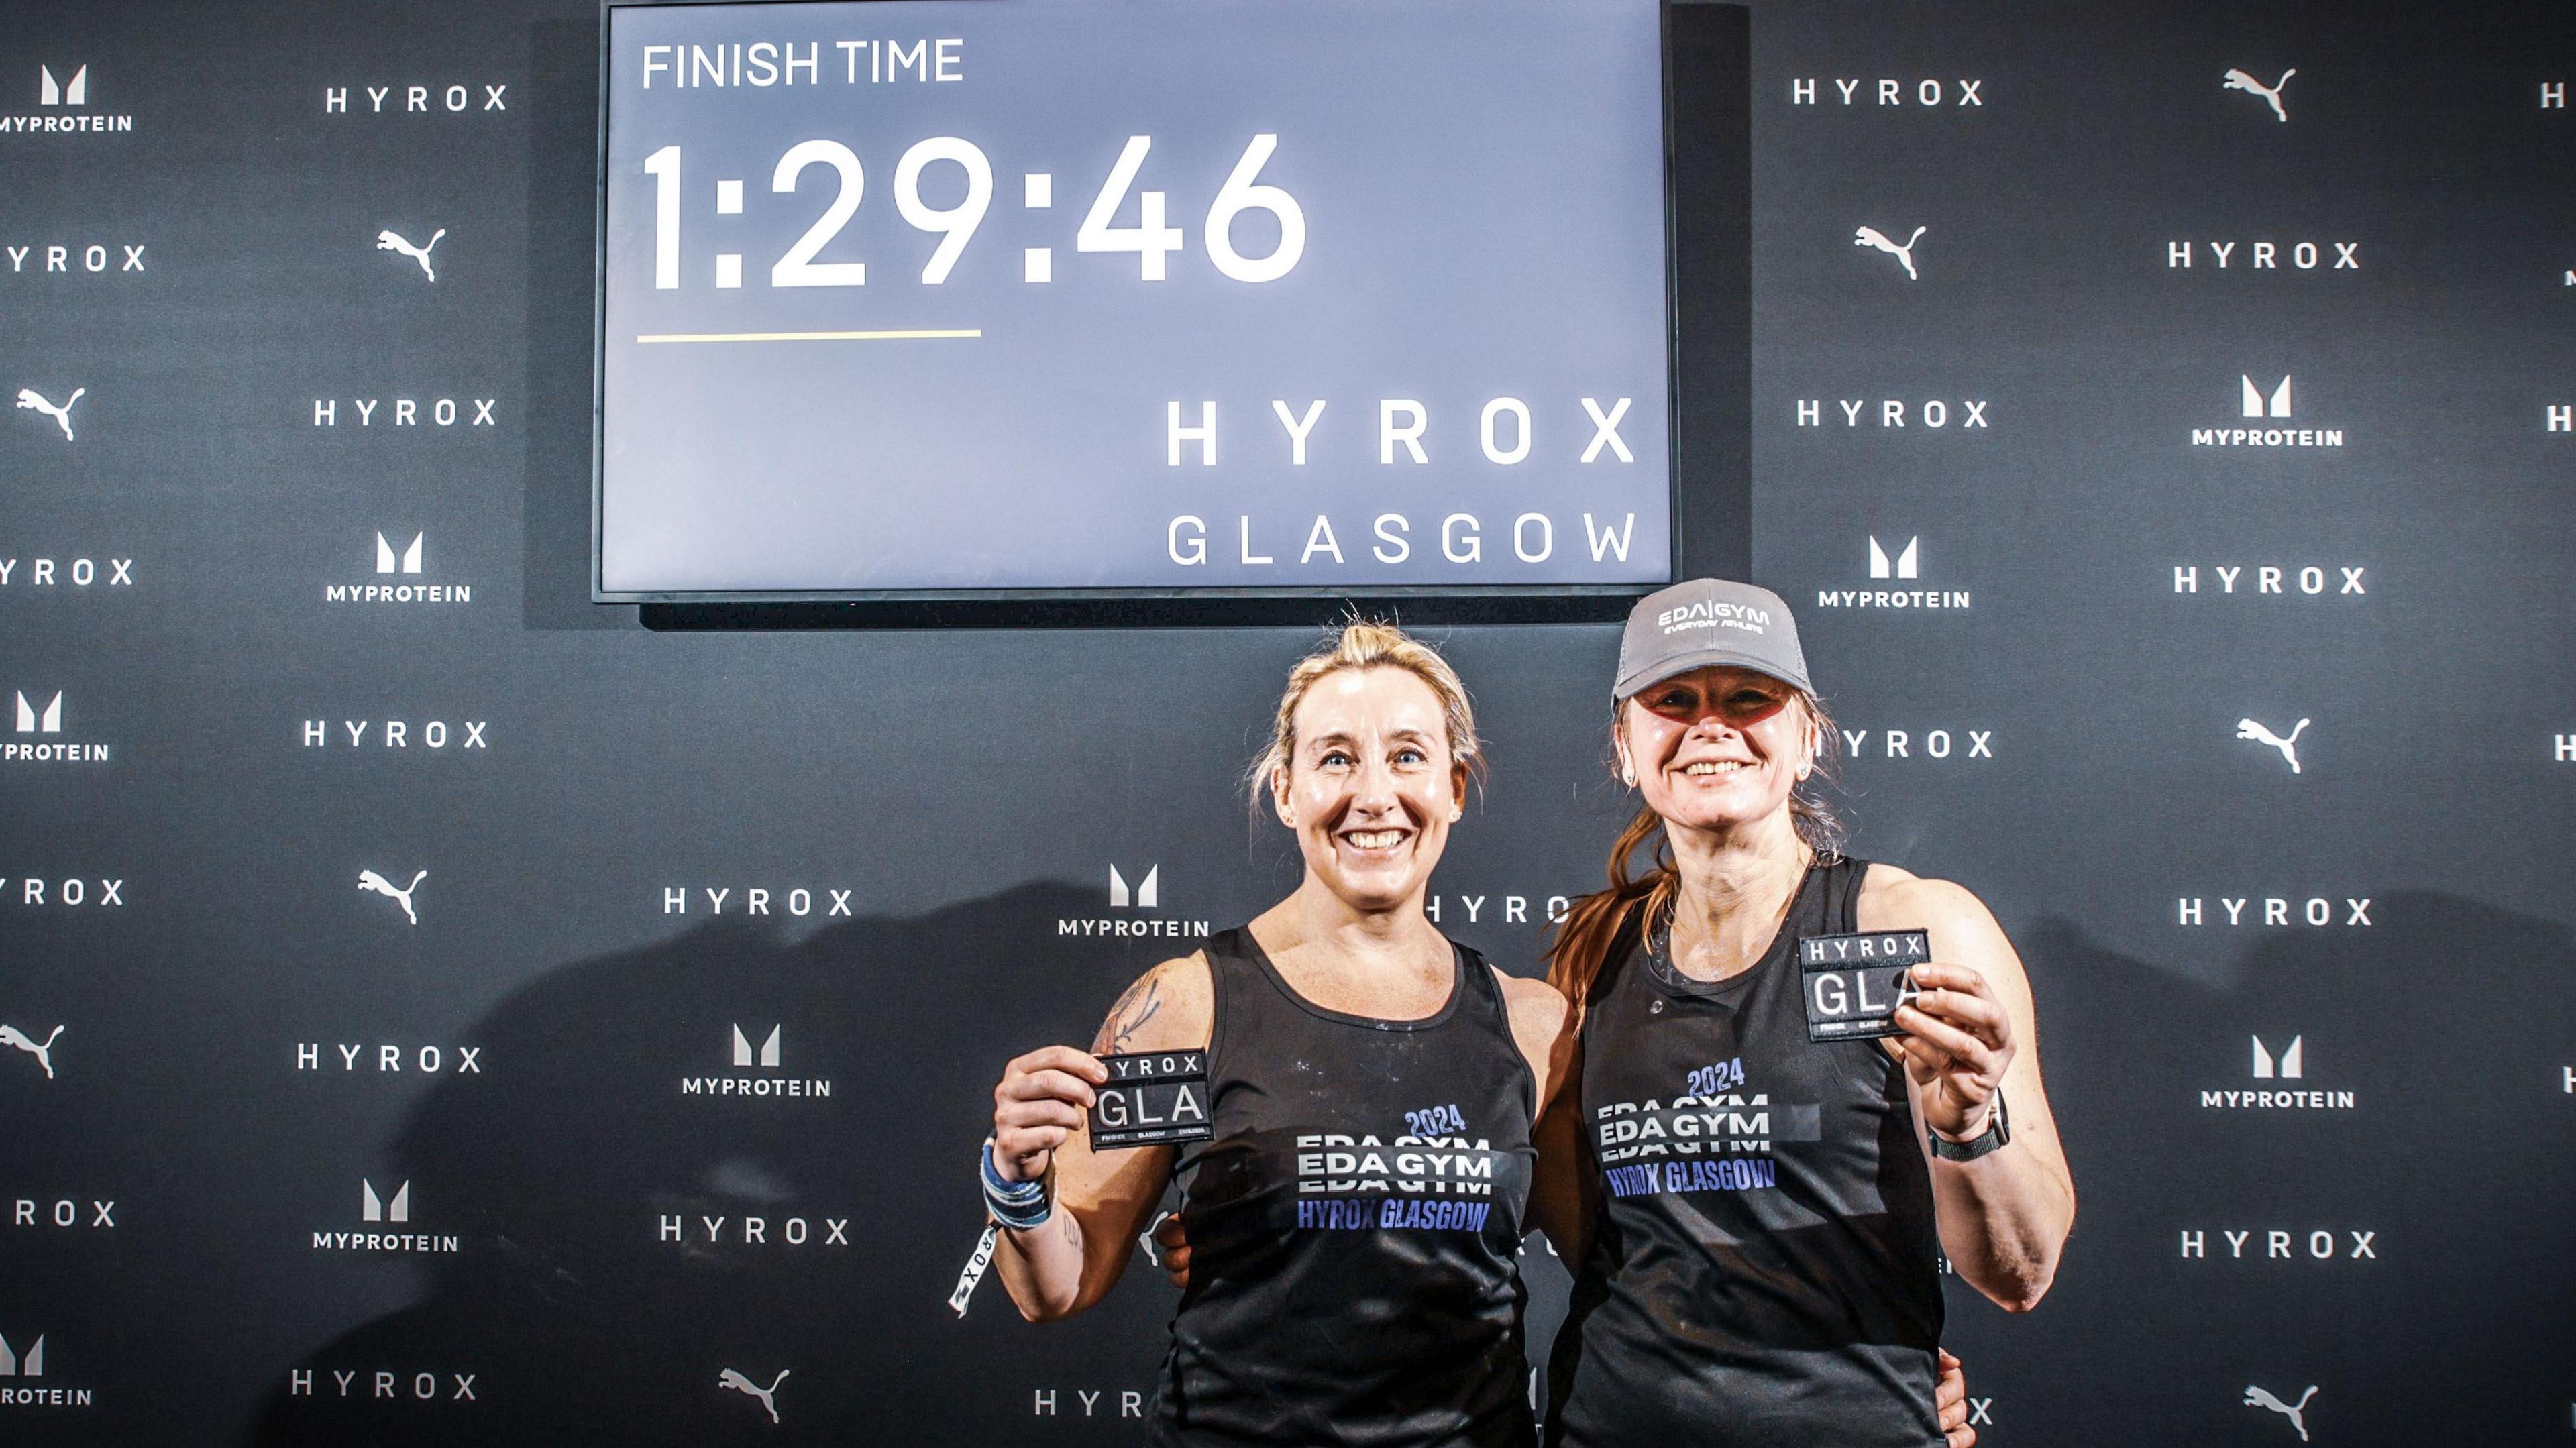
column 1375, row 839
column 1713, row 766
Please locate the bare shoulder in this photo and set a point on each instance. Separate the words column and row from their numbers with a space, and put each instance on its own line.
column 1537, row 1009
column 1898, row 899
column 1167, row 1008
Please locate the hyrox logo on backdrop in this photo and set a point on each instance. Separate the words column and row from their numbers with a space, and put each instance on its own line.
column 1905, row 566
column 76, row 574
column 796, row 900
column 2280, row 1245
column 62, row 94
column 700, row 1229
column 1891, row 415
column 397, row 565
column 1133, row 910
column 1495, row 908
column 752, row 1066
column 80, row 1214
column 434, row 414
column 1090, row 1402
column 42, row 259
column 404, row 98
column 422, row 736
column 2271, row 910
column 72, row 892
column 383, row 1059
column 1886, row 93
column 2275, row 1064
column 409, row 1384
column 1934, row 744
column 37, row 737
column 2263, row 256
column 2275, row 580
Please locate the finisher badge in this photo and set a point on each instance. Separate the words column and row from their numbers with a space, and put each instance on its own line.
column 1152, row 1099
column 1853, row 984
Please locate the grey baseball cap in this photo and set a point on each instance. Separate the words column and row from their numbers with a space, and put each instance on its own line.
column 1709, row 621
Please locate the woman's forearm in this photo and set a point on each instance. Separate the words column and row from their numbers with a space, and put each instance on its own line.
column 2004, row 1218
column 1042, row 1268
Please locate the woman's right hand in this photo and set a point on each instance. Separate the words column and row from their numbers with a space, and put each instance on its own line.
column 1044, row 1097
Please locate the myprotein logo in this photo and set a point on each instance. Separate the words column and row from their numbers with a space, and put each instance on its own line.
column 386, row 1059
column 759, row 1070
column 1952, row 743
column 75, row 575
column 37, row 737
column 2274, row 258
column 2260, row 408
column 408, row 415
column 1904, row 565
column 2273, row 580
column 378, row 1210
column 1888, row 94
column 45, row 260
column 63, row 105
column 2280, row 1071
column 408, row 737
column 23, row 1365
column 400, row 576
column 2313, row 912
column 1134, row 900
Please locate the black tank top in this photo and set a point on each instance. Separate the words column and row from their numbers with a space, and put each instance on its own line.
column 1353, row 1223
column 1766, row 1269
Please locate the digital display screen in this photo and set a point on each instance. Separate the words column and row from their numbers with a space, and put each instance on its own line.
column 928, row 296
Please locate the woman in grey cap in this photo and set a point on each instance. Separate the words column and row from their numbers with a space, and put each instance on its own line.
column 1763, row 1214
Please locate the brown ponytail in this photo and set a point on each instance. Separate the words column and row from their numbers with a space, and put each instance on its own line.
column 1593, row 924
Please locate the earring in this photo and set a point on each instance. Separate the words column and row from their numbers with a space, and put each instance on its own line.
column 1628, row 775
column 1456, row 815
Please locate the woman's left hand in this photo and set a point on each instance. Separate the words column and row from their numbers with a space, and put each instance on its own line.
column 1958, row 1043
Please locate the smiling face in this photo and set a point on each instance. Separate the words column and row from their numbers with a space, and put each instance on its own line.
column 1717, row 748
column 1370, row 787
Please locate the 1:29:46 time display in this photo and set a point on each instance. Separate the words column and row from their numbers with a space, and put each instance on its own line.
column 1151, row 239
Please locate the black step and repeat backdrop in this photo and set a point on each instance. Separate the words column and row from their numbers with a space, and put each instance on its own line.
column 439, row 1009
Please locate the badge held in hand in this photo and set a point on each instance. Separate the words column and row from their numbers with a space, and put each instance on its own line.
column 1853, row 984
column 1154, row 1098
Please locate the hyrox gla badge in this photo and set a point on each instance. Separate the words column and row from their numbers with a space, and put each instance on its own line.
column 1854, row 983
column 1152, row 1099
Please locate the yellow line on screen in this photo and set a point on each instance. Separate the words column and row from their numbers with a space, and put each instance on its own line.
column 914, row 336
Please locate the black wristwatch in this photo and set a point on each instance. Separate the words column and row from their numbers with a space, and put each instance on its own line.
column 1996, row 1134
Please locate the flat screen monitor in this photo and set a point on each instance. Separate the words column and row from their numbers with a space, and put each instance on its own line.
column 1104, row 298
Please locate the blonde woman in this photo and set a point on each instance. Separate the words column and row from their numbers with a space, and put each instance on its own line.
column 1354, row 1222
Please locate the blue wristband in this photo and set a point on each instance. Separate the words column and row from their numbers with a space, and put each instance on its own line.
column 1020, row 1206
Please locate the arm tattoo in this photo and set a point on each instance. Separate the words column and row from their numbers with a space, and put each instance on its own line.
column 1139, row 1005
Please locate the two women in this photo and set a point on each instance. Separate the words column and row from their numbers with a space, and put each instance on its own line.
column 1374, row 1086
